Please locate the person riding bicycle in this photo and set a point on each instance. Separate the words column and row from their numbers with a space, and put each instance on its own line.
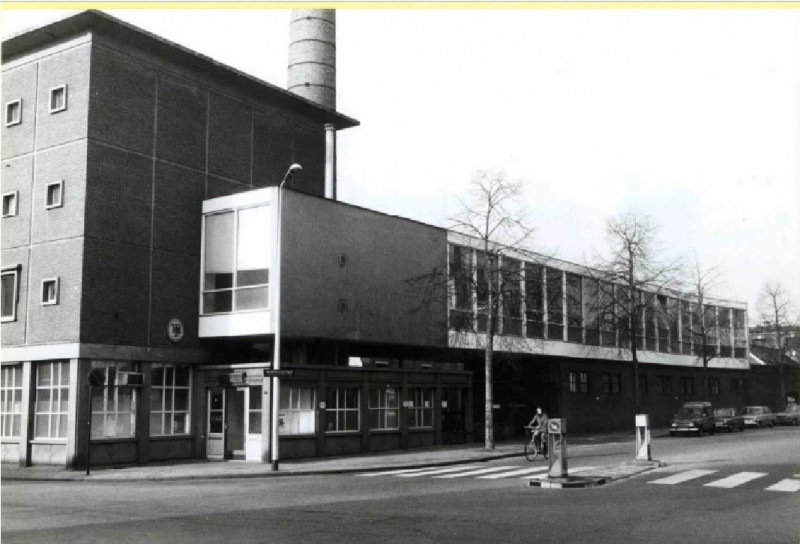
column 538, row 426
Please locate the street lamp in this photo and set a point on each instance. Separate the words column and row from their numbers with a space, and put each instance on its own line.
column 276, row 315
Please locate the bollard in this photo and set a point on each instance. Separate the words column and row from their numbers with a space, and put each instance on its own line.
column 643, row 437
column 557, row 447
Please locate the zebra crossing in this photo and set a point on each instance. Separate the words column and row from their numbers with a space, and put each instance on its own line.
column 730, row 481
column 478, row 472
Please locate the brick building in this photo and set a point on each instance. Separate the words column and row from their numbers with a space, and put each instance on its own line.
column 139, row 215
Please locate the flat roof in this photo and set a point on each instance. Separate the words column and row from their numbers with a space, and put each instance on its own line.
column 102, row 23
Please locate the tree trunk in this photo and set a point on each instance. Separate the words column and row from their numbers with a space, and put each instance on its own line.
column 489, row 356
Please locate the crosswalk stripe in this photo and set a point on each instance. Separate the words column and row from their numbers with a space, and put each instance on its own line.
column 737, row 479
column 683, row 477
column 571, row 472
column 788, row 485
column 435, row 471
column 390, row 472
column 581, row 469
column 518, row 472
column 473, row 472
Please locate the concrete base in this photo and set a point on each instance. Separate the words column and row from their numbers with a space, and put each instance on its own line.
column 569, row 482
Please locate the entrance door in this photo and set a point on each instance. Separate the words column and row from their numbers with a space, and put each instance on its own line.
column 215, row 441
column 235, row 422
column 453, row 416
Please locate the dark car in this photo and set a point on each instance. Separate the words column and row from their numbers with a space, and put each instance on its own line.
column 790, row 416
column 758, row 416
column 693, row 417
column 728, row 419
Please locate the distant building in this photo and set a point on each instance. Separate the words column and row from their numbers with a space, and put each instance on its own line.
column 138, row 247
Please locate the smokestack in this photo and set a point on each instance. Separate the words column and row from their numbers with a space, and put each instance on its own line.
column 312, row 55
column 312, row 72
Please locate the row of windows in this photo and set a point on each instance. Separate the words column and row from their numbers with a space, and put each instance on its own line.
column 57, row 103
column 54, row 198
column 9, row 293
column 113, row 406
column 543, row 302
column 342, row 409
column 611, row 384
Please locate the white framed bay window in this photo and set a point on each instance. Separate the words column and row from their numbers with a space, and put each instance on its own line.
column 296, row 412
column 170, row 399
column 114, row 405
column 236, row 260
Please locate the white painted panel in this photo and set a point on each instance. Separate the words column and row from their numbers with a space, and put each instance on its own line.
column 240, row 324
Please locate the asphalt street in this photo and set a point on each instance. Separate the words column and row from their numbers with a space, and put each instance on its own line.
column 731, row 488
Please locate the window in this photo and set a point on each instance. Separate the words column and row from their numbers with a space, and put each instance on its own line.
column 297, row 414
column 664, row 385
column 170, row 397
column 740, row 385
column 10, row 204
column 10, row 294
column 643, row 384
column 10, row 401
column 54, row 196
column 342, row 409
column 482, row 281
column 58, row 99
column 14, row 112
column 254, row 410
column 50, row 291
column 114, row 405
column 686, row 327
column 555, row 304
column 534, row 301
column 420, row 408
column 52, row 400
column 612, row 383
column 511, row 278
column 574, row 309
column 713, row 386
column 384, row 408
column 686, row 386
column 578, row 382
column 461, row 282
column 236, row 275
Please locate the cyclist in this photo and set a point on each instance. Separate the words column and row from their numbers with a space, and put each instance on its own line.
column 538, row 426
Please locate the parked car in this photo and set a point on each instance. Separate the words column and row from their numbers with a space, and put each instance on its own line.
column 693, row 417
column 758, row 416
column 728, row 419
column 790, row 416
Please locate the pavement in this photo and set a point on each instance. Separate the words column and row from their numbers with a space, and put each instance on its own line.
column 406, row 459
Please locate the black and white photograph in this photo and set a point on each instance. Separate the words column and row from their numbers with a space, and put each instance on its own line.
column 400, row 272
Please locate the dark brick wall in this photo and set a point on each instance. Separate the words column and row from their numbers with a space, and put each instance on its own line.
column 118, row 196
column 182, row 116
column 309, row 151
column 17, row 175
column 69, row 67
column 178, row 204
column 115, row 293
column 176, row 284
column 224, row 187
column 57, row 323
column 230, row 138
column 13, row 332
column 272, row 148
column 19, row 82
column 123, row 101
column 381, row 252
column 67, row 164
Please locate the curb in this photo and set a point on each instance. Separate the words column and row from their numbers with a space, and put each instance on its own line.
column 568, row 483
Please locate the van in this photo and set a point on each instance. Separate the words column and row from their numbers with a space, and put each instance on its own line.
column 693, row 417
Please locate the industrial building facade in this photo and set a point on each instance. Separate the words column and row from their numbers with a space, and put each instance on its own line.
column 139, row 187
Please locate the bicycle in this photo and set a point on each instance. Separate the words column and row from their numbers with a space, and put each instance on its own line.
column 534, row 445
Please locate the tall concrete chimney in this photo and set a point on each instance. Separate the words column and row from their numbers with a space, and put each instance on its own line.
column 312, row 72
column 312, row 55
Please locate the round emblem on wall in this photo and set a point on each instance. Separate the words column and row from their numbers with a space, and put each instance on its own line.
column 175, row 330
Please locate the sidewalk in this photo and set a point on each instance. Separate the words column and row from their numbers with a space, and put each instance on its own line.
column 406, row 459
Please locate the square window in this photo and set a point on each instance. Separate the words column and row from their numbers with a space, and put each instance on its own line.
column 10, row 294
column 54, row 197
column 58, row 99
column 10, row 204
column 50, row 291
column 14, row 112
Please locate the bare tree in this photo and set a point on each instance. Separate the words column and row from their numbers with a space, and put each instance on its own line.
column 705, row 321
column 493, row 217
column 628, row 280
column 775, row 308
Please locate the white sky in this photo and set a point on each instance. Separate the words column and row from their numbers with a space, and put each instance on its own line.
column 690, row 116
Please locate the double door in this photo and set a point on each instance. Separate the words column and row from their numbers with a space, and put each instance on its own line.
column 234, row 423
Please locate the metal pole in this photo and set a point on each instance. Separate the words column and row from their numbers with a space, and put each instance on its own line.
column 89, row 434
column 276, row 348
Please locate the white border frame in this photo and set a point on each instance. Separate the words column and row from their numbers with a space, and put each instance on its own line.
column 60, row 202
column 58, row 290
column 15, row 271
column 15, row 194
column 50, row 98
column 18, row 120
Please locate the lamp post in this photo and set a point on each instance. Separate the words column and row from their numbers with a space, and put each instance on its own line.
column 276, row 348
